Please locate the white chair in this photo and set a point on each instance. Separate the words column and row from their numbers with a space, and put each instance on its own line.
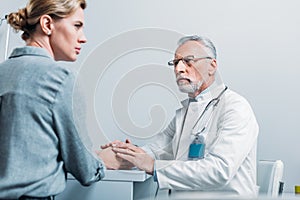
column 269, row 176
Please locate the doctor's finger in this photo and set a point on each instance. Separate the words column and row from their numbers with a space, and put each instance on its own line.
column 123, row 151
column 132, row 147
column 129, row 158
column 126, row 146
column 136, row 149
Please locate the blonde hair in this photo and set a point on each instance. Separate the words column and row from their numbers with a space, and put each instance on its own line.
column 27, row 18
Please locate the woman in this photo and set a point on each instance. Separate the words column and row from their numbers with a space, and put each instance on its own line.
column 39, row 139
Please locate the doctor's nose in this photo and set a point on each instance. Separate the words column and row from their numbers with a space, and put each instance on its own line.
column 180, row 67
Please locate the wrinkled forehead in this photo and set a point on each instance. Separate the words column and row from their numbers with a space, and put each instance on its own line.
column 194, row 48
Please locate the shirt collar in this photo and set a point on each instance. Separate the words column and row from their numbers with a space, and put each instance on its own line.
column 209, row 93
column 29, row 50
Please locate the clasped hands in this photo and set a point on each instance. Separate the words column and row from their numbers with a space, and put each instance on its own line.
column 125, row 155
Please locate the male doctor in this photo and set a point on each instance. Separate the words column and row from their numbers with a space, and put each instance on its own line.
column 210, row 145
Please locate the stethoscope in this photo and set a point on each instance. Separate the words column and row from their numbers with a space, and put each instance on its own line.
column 214, row 102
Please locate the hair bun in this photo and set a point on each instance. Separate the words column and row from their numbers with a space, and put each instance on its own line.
column 17, row 20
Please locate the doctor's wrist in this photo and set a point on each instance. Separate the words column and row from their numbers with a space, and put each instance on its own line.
column 150, row 170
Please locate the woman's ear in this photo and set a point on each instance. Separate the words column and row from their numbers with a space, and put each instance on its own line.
column 213, row 67
column 46, row 24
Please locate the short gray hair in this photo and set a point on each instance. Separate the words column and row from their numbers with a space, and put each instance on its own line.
column 203, row 40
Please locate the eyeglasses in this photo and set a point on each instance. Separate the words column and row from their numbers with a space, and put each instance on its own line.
column 186, row 60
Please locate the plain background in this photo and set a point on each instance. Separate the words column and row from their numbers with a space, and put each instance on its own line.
column 257, row 43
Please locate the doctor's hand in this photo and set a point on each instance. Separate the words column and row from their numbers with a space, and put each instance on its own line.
column 135, row 155
column 111, row 161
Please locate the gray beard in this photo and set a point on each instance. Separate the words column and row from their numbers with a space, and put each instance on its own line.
column 190, row 87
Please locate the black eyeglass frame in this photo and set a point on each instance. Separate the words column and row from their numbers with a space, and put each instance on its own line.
column 187, row 60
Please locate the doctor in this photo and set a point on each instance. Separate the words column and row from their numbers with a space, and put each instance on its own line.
column 210, row 145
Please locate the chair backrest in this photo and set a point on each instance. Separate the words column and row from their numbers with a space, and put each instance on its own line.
column 269, row 175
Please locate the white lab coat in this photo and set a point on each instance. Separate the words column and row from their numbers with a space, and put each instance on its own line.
column 229, row 165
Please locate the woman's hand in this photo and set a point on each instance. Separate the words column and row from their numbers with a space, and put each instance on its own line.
column 135, row 155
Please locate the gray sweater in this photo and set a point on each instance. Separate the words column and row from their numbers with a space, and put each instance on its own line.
column 39, row 139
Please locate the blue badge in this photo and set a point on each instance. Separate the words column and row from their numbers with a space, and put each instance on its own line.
column 197, row 149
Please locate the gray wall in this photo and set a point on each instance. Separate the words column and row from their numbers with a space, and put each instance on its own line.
column 257, row 43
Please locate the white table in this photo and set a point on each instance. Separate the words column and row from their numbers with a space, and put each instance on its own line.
column 117, row 184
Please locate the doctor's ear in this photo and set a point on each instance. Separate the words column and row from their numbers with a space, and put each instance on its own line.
column 213, row 67
column 46, row 23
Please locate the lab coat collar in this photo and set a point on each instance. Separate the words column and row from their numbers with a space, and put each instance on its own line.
column 209, row 93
